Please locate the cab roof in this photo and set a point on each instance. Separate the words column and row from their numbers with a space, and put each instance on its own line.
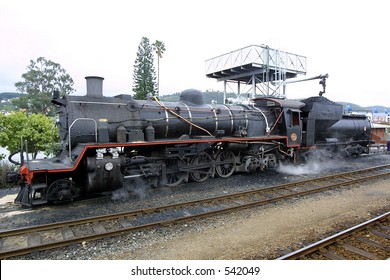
column 276, row 102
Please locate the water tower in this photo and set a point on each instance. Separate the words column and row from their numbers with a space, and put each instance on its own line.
column 256, row 71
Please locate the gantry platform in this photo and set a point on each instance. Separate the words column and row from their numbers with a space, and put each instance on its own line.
column 260, row 67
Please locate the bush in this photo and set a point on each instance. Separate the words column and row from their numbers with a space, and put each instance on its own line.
column 36, row 129
column 5, row 168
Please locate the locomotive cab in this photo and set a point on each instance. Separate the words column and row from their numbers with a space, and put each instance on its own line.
column 286, row 118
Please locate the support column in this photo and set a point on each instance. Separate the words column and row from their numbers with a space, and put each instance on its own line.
column 253, row 86
column 224, row 91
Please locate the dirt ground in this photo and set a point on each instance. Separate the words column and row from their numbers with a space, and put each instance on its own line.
column 264, row 232
column 261, row 233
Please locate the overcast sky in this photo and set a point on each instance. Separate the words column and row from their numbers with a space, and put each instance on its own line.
column 347, row 39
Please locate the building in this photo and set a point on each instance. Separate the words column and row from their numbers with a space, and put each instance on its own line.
column 380, row 117
column 380, row 133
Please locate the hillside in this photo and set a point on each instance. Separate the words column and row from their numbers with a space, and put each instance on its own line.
column 5, row 104
column 208, row 97
column 9, row 95
column 376, row 108
column 217, row 96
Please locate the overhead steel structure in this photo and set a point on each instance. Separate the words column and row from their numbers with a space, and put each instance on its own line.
column 261, row 71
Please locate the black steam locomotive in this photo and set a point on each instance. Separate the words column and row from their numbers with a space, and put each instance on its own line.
column 111, row 142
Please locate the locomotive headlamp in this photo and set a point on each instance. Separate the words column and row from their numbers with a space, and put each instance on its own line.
column 108, row 166
column 293, row 136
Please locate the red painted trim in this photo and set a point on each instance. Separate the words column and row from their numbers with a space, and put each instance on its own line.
column 161, row 142
column 26, row 174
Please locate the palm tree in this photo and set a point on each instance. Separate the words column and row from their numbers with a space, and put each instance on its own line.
column 159, row 47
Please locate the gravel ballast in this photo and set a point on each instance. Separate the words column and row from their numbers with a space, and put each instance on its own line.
column 263, row 232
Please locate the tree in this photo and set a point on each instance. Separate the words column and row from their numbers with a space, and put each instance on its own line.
column 159, row 48
column 43, row 76
column 144, row 74
column 35, row 128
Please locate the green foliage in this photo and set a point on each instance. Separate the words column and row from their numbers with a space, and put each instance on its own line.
column 159, row 48
column 208, row 97
column 6, row 107
column 174, row 97
column 35, row 128
column 42, row 78
column 6, row 100
column 144, row 74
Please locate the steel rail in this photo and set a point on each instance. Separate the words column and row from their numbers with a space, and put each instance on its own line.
column 26, row 230
column 332, row 239
column 12, row 232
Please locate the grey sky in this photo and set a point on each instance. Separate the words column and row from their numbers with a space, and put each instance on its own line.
column 346, row 39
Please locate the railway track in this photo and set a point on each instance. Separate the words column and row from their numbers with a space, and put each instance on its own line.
column 43, row 237
column 367, row 241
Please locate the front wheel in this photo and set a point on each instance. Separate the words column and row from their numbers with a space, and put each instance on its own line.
column 60, row 190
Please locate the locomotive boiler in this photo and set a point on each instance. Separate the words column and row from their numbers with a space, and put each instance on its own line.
column 111, row 142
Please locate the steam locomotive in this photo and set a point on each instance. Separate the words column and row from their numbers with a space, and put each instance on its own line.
column 111, row 142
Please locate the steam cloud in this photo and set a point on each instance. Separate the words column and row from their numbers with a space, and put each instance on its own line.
column 307, row 168
column 314, row 164
column 135, row 186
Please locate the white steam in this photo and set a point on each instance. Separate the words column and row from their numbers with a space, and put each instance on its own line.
column 129, row 188
column 308, row 168
column 311, row 166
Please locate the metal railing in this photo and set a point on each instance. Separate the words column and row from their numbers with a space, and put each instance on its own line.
column 261, row 55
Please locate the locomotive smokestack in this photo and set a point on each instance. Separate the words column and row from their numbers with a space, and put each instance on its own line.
column 94, row 86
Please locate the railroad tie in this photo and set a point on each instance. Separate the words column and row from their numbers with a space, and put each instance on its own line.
column 385, row 228
column 34, row 239
column 374, row 244
column 67, row 233
column 332, row 256
column 360, row 252
column 125, row 223
column 98, row 228
column 381, row 234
